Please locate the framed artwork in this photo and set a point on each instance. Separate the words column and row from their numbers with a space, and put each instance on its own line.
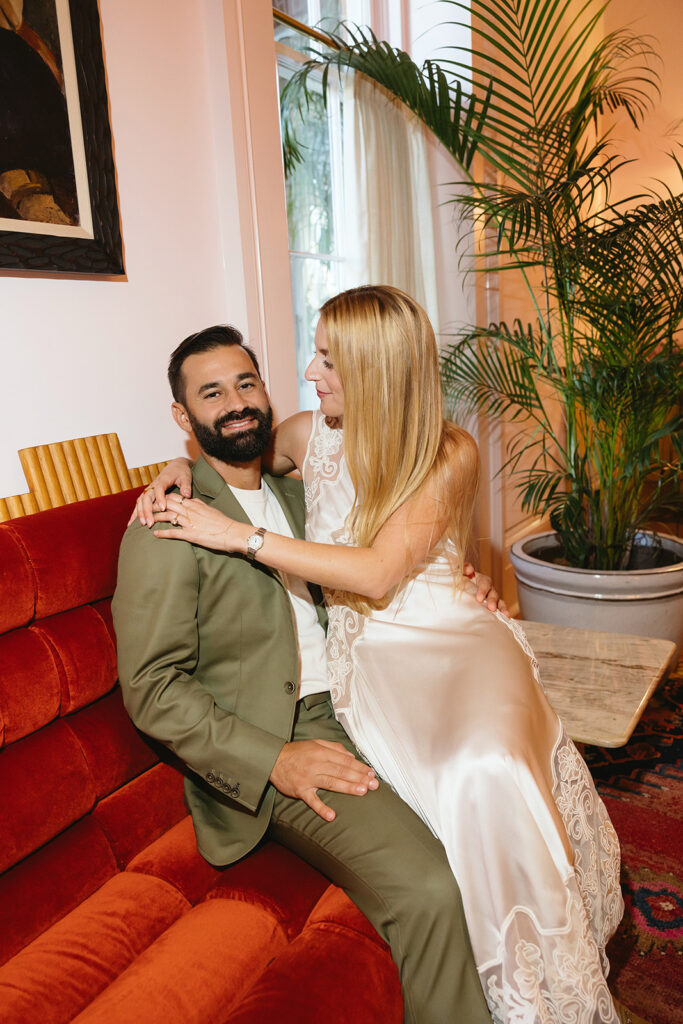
column 58, row 201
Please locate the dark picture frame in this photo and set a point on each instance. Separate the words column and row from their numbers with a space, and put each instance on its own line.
column 103, row 253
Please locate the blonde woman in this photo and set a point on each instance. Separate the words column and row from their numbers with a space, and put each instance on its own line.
column 439, row 695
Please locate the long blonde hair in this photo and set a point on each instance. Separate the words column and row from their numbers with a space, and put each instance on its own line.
column 383, row 348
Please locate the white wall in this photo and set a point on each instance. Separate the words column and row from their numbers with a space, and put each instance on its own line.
column 85, row 357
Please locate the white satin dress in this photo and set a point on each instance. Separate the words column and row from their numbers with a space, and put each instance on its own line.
column 443, row 699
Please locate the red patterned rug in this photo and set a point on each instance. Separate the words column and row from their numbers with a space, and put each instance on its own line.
column 642, row 786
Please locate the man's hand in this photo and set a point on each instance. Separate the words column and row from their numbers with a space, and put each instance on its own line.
column 486, row 592
column 305, row 766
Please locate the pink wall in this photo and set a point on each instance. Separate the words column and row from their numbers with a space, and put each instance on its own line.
column 663, row 22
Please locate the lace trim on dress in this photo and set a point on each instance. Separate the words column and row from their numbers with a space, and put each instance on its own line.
column 533, row 981
column 323, row 462
column 344, row 627
column 324, row 443
column 521, row 638
column 539, row 983
column 594, row 841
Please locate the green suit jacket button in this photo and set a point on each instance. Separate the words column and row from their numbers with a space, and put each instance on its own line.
column 289, row 686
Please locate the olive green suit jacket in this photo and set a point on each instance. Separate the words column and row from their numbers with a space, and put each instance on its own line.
column 209, row 665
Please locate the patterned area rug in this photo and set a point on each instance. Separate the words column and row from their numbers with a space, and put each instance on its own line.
column 642, row 786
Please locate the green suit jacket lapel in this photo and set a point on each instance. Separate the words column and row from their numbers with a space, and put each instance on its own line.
column 289, row 493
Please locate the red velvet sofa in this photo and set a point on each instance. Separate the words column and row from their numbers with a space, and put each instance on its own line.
column 107, row 912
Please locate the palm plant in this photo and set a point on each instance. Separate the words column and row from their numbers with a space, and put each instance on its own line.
column 591, row 382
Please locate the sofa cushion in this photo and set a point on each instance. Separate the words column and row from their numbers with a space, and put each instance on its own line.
column 81, row 567
column 141, row 811
column 175, row 858
column 62, row 971
column 85, row 654
column 45, row 785
column 195, row 972
column 337, row 970
column 276, row 879
column 30, row 684
column 17, row 583
column 103, row 608
column 114, row 750
column 54, row 667
column 51, row 882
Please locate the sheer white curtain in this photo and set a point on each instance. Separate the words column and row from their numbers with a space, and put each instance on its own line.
column 388, row 225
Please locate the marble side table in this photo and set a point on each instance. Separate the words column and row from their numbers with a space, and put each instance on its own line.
column 599, row 683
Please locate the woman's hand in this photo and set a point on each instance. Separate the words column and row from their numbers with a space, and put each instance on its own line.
column 486, row 592
column 177, row 473
column 198, row 523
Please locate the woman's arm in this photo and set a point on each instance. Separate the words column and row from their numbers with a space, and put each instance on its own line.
column 288, row 446
column 404, row 542
column 286, row 452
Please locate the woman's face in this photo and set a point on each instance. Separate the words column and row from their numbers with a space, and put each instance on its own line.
column 322, row 373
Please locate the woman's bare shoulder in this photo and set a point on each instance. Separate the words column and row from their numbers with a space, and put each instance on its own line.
column 290, row 438
column 296, row 429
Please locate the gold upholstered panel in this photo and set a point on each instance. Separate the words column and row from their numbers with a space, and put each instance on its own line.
column 67, row 471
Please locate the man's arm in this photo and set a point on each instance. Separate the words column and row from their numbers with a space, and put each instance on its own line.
column 155, row 617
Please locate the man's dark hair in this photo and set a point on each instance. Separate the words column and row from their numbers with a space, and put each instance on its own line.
column 203, row 341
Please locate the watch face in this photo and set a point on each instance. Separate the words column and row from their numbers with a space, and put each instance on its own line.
column 254, row 544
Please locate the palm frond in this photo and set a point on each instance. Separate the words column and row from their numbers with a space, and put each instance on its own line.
column 453, row 116
column 498, row 369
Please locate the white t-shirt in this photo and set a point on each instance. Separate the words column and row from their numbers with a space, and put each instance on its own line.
column 264, row 509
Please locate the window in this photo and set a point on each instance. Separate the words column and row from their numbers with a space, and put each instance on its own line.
column 314, row 13
column 314, row 206
column 315, row 188
column 356, row 213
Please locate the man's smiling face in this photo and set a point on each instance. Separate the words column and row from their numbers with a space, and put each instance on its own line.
column 225, row 405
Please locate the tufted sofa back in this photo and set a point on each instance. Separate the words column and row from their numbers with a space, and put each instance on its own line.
column 81, row 792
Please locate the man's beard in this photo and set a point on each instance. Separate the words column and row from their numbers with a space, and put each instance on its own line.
column 242, row 447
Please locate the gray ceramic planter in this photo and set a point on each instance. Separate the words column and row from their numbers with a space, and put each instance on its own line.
column 643, row 602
